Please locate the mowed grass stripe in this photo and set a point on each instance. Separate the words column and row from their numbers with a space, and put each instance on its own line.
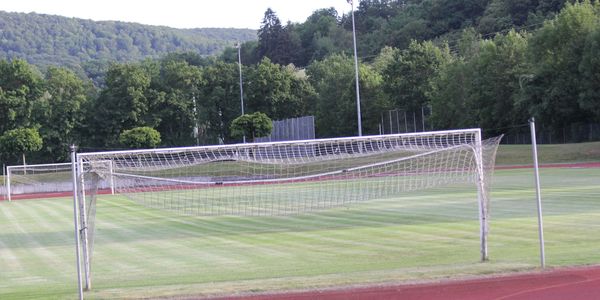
column 53, row 219
column 177, row 242
column 131, row 255
column 571, row 208
column 325, row 240
column 31, row 238
column 254, row 240
column 188, row 227
column 46, row 265
column 9, row 259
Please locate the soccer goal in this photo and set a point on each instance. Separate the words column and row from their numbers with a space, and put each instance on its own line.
column 286, row 178
column 42, row 180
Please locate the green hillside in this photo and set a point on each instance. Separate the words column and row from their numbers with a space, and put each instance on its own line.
column 53, row 40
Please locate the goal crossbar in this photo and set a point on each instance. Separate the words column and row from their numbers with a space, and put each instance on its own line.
column 407, row 136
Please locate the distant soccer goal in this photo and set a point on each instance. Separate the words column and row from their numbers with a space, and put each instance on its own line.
column 42, row 180
column 287, row 178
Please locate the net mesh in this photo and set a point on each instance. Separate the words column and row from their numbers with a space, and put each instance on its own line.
column 287, row 178
column 292, row 177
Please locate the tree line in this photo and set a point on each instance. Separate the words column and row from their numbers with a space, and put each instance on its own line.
column 551, row 72
column 88, row 47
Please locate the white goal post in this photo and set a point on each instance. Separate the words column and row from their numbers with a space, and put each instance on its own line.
column 286, row 178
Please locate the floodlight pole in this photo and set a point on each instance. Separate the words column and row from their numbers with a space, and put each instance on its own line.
column 356, row 71
column 239, row 50
column 538, row 193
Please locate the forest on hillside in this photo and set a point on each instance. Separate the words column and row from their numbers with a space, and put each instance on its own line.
column 87, row 46
column 543, row 63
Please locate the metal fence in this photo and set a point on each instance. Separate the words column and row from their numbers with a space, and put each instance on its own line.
column 574, row 133
column 302, row 128
column 404, row 121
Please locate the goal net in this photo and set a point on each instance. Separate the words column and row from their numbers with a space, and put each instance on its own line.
column 288, row 178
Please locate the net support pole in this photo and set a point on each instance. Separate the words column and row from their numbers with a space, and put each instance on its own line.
column 84, row 228
column 482, row 198
column 76, row 219
column 538, row 192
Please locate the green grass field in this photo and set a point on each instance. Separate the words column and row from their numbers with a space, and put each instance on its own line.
column 143, row 252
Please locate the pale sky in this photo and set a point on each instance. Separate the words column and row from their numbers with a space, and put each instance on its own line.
column 178, row 13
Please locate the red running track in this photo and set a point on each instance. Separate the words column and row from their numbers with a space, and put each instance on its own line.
column 558, row 284
column 46, row 195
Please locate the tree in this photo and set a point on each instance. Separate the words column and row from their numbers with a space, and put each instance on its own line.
column 446, row 15
column 384, row 59
column 335, row 109
column 140, row 138
column 319, row 36
column 372, row 24
column 273, row 89
column 448, row 95
column 274, row 39
column 552, row 92
column 589, row 98
column 46, row 40
column 218, row 101
column 61, row 114
column 191, row 58
column 408, row 78
column 248, row 52
column 252, row 125
column 497, row 71
column 551, row 5
column 180, row 83
column 19, row 141
column 481, row 87
column 20, row 91
column 497, row 15
column 126, row 102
